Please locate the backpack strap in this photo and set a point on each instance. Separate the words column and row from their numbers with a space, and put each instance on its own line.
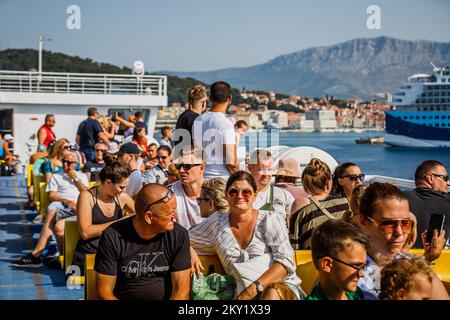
column 323, row 210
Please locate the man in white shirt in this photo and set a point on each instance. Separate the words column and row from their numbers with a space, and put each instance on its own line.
column 214, row 133
column 269, row 197
column 63, row 190
column 191, row 168
column 159, row 173
column 128, row 155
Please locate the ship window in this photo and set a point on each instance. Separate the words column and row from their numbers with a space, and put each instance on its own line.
column 443, row 124
column 436, row 124
column 442, row 117
column 411, row 117
column 423, row 117
column 430, row 117
column 425, row 109
column 431, row 109
column 417, row 117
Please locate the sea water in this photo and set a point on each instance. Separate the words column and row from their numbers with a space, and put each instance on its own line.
column 374, row 159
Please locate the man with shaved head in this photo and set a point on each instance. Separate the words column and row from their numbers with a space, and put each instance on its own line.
column 145, row 257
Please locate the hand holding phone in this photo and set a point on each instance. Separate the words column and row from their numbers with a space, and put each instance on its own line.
column 436, row 223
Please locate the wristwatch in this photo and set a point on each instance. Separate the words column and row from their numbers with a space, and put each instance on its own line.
column 259, row 286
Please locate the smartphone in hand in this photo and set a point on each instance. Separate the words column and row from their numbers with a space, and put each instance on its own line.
column 436, row 222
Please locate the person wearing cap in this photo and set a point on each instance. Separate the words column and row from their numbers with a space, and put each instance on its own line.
column 129, row 154
column 286, row 175
column 269, row 198
column 45, row 133
column 89, row 133
column 145, row 257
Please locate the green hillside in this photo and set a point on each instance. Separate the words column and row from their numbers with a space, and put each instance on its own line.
column 27, row 59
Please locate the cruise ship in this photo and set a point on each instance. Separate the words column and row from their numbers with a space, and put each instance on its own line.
column 420, row 114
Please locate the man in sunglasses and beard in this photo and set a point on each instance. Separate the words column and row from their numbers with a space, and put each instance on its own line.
column 191, row 168
column 63, row 190
column 430, row 196
column 145, row 257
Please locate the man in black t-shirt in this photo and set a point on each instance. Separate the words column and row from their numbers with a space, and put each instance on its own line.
column 92, row 168
column 197, row 101
column 430, row 196
column 89, row 133
column 145, row 257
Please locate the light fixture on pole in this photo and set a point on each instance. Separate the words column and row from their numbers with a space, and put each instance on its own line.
column 41, row 39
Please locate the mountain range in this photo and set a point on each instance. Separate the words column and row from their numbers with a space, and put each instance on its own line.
column 355, row 68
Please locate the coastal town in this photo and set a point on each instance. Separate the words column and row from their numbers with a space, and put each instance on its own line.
column 269, row 110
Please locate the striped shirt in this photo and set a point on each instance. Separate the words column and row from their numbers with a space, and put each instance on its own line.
column 309, row 217
column 214, row 236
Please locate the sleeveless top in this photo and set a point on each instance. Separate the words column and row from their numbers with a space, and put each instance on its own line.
column 91, row 245
column 50, row 135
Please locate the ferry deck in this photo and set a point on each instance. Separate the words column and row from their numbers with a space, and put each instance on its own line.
column 18, row 237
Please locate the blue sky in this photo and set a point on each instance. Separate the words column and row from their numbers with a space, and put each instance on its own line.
column 199, row 35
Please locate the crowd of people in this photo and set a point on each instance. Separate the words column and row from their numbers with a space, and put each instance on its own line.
column 153, row 209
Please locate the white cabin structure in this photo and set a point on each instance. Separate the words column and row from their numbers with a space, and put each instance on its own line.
column 26, row 97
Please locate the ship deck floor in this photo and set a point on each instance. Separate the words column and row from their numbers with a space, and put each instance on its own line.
column 18, row 235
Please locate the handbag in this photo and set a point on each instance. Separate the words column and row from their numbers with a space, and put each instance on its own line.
column 212, row 287
column 247, row 272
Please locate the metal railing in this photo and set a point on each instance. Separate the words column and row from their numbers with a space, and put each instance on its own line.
column 82, row 83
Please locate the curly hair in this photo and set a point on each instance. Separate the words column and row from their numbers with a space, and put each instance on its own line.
column 195, row 94
column 214, row 189
column 397, row 275
column 315, row 176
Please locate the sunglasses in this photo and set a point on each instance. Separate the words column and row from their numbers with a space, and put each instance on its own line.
column 162, row 157
column 388, row 226
column 442, row 176
column 199, row 199
column 186, row 166
column 165, row 199
column 357, row 268
column 100, row 150
column 246, row 193
column 69, row 162
column 354, row 177
column 66, row 147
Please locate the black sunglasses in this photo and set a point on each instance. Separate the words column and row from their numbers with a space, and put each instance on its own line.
column 442, row 176
column 199, row 199
column 357, row 268
column 66, row 147
column 186, row 166
column 165, row 199
column 69, row 162
column 162, row 157
column 101, row 150
column 354, row 177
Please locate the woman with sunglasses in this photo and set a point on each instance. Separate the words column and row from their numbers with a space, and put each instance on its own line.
column 245, row 234
column 54, row 163
column 385, row 219
column 212, row 198
column 101, row 206
column 345, row 178
column 159, row 173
